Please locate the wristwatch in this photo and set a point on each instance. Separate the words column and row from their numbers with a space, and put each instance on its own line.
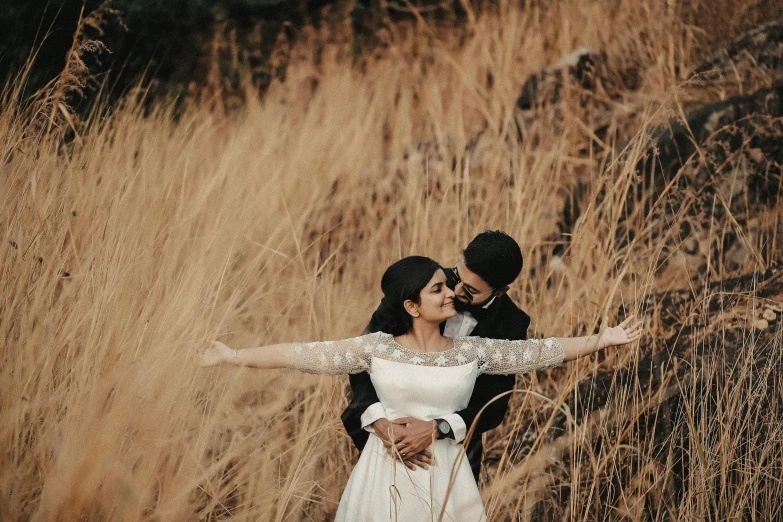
column 444, row 428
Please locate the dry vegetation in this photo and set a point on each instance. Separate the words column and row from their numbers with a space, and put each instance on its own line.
column 129, row 247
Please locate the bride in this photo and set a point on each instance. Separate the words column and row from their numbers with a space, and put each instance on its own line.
column 417, row 372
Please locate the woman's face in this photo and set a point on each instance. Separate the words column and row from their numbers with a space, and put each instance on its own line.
column 436, row 300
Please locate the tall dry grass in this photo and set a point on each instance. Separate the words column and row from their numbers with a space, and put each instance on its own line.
column 128, row 249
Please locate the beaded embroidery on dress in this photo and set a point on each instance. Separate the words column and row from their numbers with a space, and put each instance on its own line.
column 494, row 356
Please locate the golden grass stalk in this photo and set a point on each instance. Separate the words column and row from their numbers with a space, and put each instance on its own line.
column 123, row 255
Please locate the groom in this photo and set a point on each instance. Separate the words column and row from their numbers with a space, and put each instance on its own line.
column 490, row 263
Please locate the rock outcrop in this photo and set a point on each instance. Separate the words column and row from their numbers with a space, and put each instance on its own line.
column 722, row 346
column 753, row 56
column 715, row 177
column 719, row 167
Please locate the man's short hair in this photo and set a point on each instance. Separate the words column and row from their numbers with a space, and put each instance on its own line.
column 495, row 257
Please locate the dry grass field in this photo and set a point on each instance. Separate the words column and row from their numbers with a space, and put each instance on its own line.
column 128, row 247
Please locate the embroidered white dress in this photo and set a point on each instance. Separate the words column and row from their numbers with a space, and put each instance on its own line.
column 426, row 386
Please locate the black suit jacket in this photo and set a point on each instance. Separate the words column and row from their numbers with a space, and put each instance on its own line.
column 502, row 320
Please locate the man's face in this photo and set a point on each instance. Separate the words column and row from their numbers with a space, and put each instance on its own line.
column 471, row 289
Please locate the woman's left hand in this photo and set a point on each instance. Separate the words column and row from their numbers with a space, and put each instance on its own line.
column 626, row 332
column 216, row 354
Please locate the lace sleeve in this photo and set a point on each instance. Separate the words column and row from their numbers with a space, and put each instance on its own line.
column 333, row 357
column 497, row 356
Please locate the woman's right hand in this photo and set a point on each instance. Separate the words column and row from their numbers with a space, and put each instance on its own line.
column 216, row 354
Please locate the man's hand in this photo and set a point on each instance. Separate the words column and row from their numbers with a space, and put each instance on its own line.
column 387, row 431
column 408, row 438
column 417, row 435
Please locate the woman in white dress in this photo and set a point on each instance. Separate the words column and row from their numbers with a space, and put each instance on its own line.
column 417, row 372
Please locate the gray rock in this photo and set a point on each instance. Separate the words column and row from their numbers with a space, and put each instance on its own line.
column 719, row 170
column 722, row 127
column 760, row 48
column 577, row 68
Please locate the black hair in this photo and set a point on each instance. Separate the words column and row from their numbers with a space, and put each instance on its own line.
column 402, row 281
column 495, row 257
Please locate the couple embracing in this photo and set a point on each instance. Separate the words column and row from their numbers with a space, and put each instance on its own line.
column 443, row 345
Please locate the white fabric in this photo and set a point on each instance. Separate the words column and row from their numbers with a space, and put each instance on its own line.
column 377, row 411
column 381, row 489
column 460, row 325
column 371, row 414
column 457, row 424
column 426, row 386
column 463, row 323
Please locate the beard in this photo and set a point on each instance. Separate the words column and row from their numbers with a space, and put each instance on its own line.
column 459, row 305
column 462, row 306
column 474, row 309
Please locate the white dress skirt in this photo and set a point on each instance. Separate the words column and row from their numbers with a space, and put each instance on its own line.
column 425, row 386
column 382, row 489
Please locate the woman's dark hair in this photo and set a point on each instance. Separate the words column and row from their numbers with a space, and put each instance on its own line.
column 495, row 257
column 403, row 280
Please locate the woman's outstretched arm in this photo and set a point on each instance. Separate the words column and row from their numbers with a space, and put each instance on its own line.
column 322, row 357
column 625, row 332
column 264, row 357
column 505, row 357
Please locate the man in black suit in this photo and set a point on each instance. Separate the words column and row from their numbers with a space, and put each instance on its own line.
column 480, row 280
